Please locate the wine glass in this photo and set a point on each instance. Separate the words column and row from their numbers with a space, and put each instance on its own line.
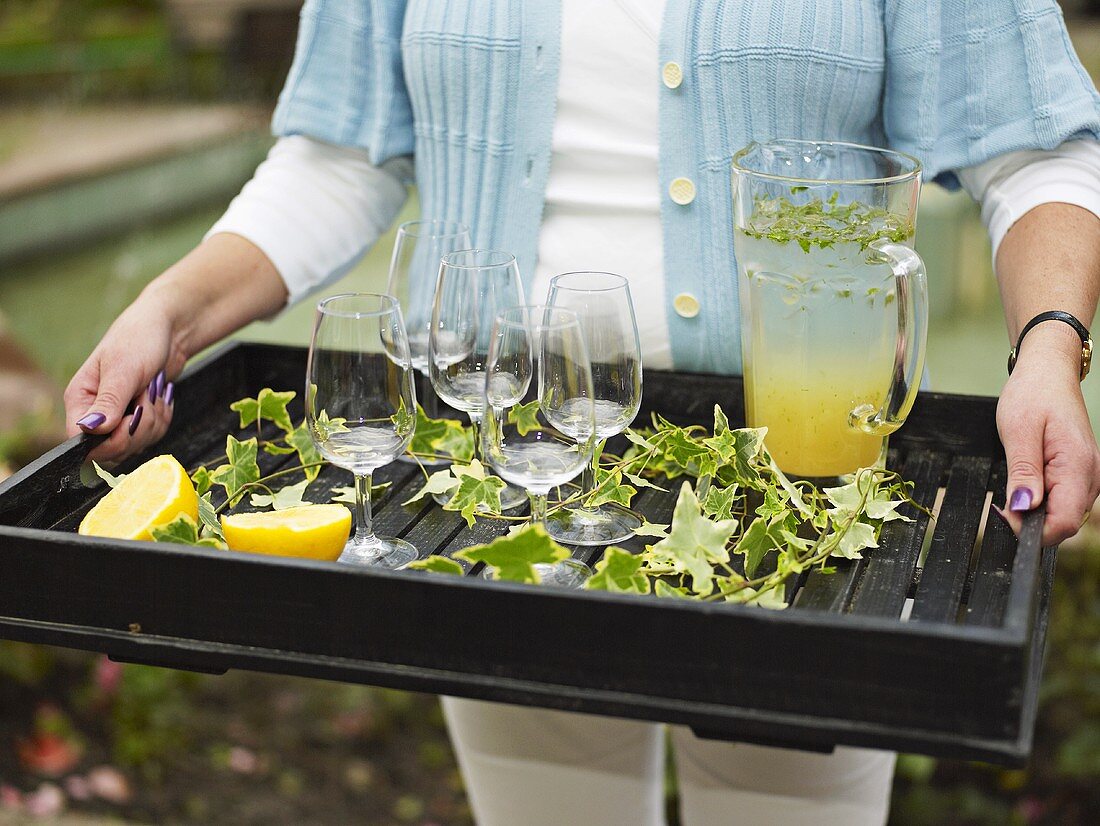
column 414, row 268
column 473, row 287
column 544, row 343
column 360, row 405
column 603, row 306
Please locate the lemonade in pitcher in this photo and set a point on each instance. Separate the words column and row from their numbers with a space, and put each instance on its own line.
column 833, row 307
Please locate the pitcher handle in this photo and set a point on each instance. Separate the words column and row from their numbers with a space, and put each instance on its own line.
column 911, row 284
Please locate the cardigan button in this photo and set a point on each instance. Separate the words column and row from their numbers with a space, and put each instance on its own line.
column 672, row 74
column 686, row 305
column 682, row 191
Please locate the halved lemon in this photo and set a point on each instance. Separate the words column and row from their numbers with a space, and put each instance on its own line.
column 310, row 531
column 154, row 494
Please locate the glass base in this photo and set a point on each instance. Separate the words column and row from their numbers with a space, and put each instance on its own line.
column 511, row 498
column 604, row 525
column 379, row 551
column 569, row 573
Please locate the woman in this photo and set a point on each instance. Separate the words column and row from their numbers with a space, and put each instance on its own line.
column 597, row 134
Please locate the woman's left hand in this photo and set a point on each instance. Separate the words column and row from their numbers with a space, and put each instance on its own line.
column 1049, row 442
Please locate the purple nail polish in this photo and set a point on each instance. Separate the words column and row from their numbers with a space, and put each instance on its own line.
column 1021, row 500
column 91, row 421
column 151, row 391
column 135, row 420
column 160, row 380
column 170, row 393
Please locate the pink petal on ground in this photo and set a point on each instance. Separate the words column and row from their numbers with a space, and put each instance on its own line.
column 110, row 784
column 243, row 761
column 78, row 787
column 48, row 800
column 10, row 797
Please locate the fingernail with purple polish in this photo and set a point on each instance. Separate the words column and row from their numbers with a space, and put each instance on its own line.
column 160, row 380
column 170, row 393
column 135, row 420
column 91, row 421
column 151, row 391
column 1021, row 500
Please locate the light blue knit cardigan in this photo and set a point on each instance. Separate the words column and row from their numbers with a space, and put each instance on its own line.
column 469, row 87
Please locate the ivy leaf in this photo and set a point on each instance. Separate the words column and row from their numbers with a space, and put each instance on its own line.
column 240, row 470
column 663, row 589
column 437, row 565
column 738, row 451
column 441, row 437
column 695, row 543
column 514, row 557
column 641, row 482
column 346, row 493
column 276, row 449
column 648, row 528
column 634, row 437
column 772, row 505
column 619, row 572
column 754, row 544
column 111, row 480
column 267, row 405
column 182, row 531
column 291, row 496
column 610, row 488
column 476, row 491
column 208, row 516
column 769, row 597
column 442, row 481
column 202, row 480
column 718, row 503
column 687, row 454
column 308, row 454
column 878, row 505
column 525, row 417
column 859, row 535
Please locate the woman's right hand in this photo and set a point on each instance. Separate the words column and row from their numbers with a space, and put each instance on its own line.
column 124, row 389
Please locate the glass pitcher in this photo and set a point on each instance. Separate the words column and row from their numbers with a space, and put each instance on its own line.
column 834, row 300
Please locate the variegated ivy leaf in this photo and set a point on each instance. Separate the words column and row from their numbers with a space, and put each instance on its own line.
column 525, row 417
column 610, row 489
column 477, row 491
column 202, row 480
column 441, row 437
column 695, row 544
column 718, row 503
column 648, row 528
column 855, row 539
column 290, row 496
column 267, row 405
column 308, row 454
column 346, row 493
column 442, row 481
column 208, row 516
column 736, row 591
column 437, row 565
column 663, row 589
column 240, row 469
column 878, row 505
column 182, row 531
column 641, row 482
column 111, row 479
column 515, row 556
column 619, row 572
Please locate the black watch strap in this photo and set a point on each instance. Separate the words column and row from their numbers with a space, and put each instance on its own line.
column 1067, row 318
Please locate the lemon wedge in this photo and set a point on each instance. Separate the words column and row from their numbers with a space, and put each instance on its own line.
column 310, row 531
column 154, row 494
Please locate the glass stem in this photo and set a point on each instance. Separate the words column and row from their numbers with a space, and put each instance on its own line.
column 364, row 531
column 538, row 507
column 588, row 479
column 475, row 425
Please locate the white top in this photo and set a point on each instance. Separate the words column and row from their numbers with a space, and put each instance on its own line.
column 314, row 208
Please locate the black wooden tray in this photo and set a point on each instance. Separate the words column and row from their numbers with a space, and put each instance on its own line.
column 932, row 644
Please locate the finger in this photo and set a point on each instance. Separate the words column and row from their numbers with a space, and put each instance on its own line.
column 121, row 442
column 1023, row 441
column 116, row 388
column 1070, row 496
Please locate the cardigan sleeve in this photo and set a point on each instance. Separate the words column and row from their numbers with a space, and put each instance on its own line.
column 968, row 81
column 346, row 85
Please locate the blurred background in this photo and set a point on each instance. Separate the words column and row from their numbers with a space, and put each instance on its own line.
column 125, row 128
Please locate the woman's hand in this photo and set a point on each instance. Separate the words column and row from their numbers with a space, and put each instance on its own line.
column 124, row 390
column 1049, row 442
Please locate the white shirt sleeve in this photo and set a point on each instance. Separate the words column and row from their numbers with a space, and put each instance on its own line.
column 1009, row 185
column 315, row 208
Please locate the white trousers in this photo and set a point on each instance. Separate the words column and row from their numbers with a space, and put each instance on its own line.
column 536, row 767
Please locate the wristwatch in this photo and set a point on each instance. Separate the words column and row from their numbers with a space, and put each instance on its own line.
column 1071, row 320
